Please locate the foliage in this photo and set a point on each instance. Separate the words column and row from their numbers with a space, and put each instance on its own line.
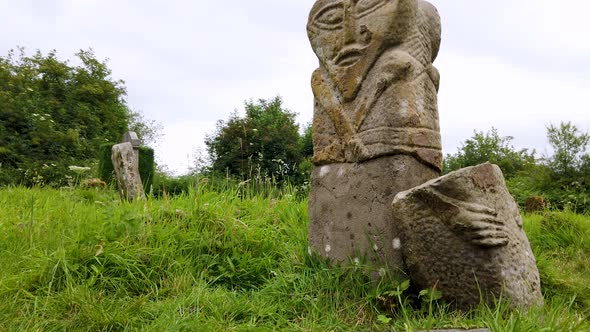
column 149, row 131
column 264, row 143
column 53, row 113
column 105, row 164
column 492, row 147
column 147, row 167
column 212, row 260
column 307, row 142
column 564, row 179
column 569, row 146
column 565, row 235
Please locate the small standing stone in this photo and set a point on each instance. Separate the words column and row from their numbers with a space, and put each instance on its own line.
column 132, row 138
column 127, row 171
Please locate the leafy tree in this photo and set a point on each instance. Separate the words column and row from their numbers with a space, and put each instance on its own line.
column 569, row 145
column 265, row 142
column 307, row 142
column 54, row 115
column 149, row 131
column 492, row 147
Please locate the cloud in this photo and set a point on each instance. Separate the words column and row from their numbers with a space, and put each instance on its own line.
column 485, row 92
column 514, row 65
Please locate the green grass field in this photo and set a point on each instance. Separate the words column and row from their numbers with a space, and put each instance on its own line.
column 231, row 260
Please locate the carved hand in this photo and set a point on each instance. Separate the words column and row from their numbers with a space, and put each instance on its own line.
column 480, row 225
column 474, row 222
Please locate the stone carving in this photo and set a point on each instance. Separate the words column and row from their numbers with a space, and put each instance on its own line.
column 376, row 134
column 132, row 138
column 126, row 169
column 375, row 90
column 463, row 233
column 375, row 120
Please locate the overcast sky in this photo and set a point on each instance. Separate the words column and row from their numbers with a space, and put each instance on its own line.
column 516, row 65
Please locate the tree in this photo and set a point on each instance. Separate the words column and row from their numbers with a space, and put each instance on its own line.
column 307, row 142
column 492, row 147
column 264, row 142
column 569, row 145
column 148, row 131
column 54, row 115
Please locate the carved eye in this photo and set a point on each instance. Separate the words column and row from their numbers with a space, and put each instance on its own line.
column 364, row 7
column 330, row 17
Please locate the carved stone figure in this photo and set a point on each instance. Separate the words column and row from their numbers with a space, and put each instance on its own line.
column 376, row 128
column 376, row 134
column 463, row 233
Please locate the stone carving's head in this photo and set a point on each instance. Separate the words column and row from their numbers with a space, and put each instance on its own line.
column 349, row 35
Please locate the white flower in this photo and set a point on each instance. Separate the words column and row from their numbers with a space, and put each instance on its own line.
column 78, row 169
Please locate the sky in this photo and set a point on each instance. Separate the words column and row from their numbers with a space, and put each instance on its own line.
column 515, row 65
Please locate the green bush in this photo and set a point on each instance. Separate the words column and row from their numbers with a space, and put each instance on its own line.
column 146, row 166
column 105, row 165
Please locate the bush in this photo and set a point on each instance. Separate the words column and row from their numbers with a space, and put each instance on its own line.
column 105, row 165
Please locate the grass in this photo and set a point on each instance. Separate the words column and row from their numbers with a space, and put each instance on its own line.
column 229, row 259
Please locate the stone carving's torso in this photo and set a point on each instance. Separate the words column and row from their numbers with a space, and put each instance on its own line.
column 375, row 90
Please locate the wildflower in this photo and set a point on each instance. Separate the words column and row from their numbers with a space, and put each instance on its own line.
column 79, row 169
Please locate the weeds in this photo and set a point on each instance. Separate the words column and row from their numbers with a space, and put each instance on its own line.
column 219, row 257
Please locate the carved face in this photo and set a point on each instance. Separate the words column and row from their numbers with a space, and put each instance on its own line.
column 349, row 35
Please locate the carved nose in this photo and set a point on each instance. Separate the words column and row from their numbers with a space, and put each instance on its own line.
column 350, row 30
column 354, row 33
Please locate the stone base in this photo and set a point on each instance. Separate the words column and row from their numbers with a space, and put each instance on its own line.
column 350, row 208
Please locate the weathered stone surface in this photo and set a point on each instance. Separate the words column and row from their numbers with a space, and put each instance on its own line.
column 132, row 138
column 463, row 234
column 350, row 207
column 126, row 169
column 375, row 90
column 376, row 128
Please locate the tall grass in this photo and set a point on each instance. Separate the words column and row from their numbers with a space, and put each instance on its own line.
column 233, row 257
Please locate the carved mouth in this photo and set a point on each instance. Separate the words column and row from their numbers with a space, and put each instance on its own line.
column 348, row 57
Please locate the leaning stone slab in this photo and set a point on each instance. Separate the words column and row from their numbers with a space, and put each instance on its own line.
column 126, row 169
column 462, row 233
